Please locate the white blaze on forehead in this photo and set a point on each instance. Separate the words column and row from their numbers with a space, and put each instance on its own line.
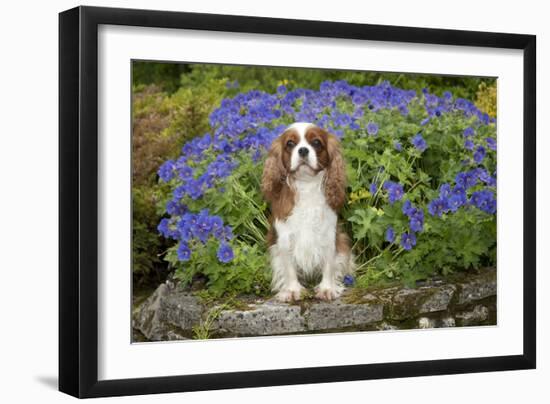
column 301, row 128
column 295, row 160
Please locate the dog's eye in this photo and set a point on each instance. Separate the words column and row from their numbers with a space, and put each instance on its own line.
column 316, row 143
column 290, row 144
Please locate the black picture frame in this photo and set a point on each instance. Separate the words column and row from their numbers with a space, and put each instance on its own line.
column 78, row 201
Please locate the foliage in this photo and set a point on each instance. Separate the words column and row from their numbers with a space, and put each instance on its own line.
column 422, row 186
column 164, row 75
column 161, row 124
column 203, row 330
column 148, row 147
column 172, row 76
column 486, row 98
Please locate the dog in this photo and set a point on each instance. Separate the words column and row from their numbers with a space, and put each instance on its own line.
column 304, row 182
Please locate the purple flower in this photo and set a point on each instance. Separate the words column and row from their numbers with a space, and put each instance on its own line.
column 395, row 191
column 166, row 171
column 479, row 154
column 468, row 144
column 468, row 132
column 397, row 145
column 186, row 226
column 185, row 172
column 407, row 208
column 491, row 143
column 416, row 220
column 173, row 207
column 484, row 200
column 419, row 143
column 424, row 121
column 467, row 179
column 204, row 142
column 390, row 235
column 216, row 226
column 193, row 188
column 408, row 241
column 224, row 146
column 348, row 280
column 184, row 253
column 415, row 215
column 372, row 128
column 228, row 232
column 185, row 231
column 203, row 226
column 225, row 253
column 373, row 188
column 457, row 199
column 438, row 206
column 486, row 177
column 164, row 229
column 444, row 190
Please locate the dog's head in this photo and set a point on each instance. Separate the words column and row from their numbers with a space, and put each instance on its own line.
column 304, row 150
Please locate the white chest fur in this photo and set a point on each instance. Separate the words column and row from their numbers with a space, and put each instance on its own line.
column 308, row 234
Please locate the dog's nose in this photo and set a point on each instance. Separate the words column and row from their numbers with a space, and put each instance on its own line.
column 303, row 151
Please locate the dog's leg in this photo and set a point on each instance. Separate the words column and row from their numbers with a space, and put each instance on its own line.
column 330, row 287
column 285, row 279
column 339, row 262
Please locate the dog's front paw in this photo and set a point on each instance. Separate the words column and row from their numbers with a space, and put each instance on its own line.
column 290, row 294
column 328, row 293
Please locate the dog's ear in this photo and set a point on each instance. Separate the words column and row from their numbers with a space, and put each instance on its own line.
column 335, row 181
column 275, row 173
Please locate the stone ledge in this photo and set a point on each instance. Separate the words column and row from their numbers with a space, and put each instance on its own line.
column 171, row 313
column 337, row 315
column 262, row 319
column 407, row 303
column 478, row 287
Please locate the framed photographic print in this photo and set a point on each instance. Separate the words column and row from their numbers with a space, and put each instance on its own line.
column 251, row 201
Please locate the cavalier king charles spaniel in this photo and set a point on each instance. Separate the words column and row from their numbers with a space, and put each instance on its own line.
column 304, row 181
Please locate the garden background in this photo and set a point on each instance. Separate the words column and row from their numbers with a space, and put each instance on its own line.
column 173, row 106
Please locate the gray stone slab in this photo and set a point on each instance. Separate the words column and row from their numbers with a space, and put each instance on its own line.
column 264, row 319
column 166, row 309
column 474, row 317
column 335, row 315
column 478, row 287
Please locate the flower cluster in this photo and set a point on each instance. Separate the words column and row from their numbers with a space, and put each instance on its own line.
column 242, row 128
column 192, row 228
column 416, row 225
column 436, row 106
column 451, row 199
column 415, row 215
column 485, row 201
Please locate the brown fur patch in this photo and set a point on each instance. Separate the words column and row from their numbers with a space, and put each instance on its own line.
column 318, row 139
column 335, row 181
column 343, row 242
column 274, row 185
column 271, row 237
